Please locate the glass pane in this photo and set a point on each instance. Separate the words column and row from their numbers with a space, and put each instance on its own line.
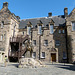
column 28, row 30
column 51, row 29
column 39, row 30
column 73, row 26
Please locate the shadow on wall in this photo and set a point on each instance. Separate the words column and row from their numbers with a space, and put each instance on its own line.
column 70, row 48
column 61, row 42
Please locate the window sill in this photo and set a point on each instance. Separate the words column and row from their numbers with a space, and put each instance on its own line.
column 45, row 44
column 42, row 57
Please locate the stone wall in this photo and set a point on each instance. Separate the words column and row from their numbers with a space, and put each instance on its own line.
column 71, row 36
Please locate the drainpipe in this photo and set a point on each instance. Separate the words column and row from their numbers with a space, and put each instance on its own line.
column 31, row 43
column 39, row 45
column 66, row 45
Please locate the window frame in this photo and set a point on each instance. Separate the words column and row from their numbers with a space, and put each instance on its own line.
column 73, row 26
column 43, row 57
column 34, row 55
column 57, row 44
column 40, row 30
column 51, row 29
column 45, row 42
column 34, row 43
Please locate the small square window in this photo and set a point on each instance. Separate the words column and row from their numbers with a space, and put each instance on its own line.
column 46, row 42
column 57, row 43
column 34, row 55
column 34, row 42
column 43, row 55
column 59, row 31
column 63, row 31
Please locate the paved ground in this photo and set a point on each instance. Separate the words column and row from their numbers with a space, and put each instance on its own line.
column 55, row 69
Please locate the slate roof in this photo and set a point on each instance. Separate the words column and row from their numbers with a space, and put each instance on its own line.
column 59, row 21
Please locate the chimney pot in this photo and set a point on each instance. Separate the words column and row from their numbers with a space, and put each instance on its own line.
column 65, row 11
column 49, row 14
column 5, row 4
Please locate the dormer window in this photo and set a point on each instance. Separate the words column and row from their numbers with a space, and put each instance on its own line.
column 51, row 23
column 29, row 25
column 39, row 29
column 28, row 30
column 2, row 24
column 51, row 29
column 73, row 26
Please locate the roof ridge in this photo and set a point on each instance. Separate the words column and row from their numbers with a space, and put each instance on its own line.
column 37, row 18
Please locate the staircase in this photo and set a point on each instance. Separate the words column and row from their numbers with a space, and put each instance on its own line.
column 20, row 40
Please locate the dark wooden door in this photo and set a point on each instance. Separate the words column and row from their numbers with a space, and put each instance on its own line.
column 53, row 57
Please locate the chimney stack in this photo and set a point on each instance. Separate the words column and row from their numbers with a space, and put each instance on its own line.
column 49, row 14
column 65, row 11
column 5, row 4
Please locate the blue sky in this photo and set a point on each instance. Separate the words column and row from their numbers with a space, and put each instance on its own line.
column 38, row 8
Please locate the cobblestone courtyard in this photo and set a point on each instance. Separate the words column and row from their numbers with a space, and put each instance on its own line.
column 55, row 69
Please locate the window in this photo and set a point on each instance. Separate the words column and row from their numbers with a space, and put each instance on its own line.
column 51, row 29
column 59, row 31
column 73, row 26
column 43, row 55
column 46, row 42
column 34, row 55
column 64, row 55
column 63, row 31
column 28, row 30
column 2, row 24
column 34, row 42
column 39, row 30
column 57, row 43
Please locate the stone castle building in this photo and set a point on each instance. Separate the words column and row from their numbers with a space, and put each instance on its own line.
column 47, row 38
